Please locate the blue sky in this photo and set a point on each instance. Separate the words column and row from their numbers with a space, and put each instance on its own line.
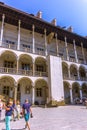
column 67, row 12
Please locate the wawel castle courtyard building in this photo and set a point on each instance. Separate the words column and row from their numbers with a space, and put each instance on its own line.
column 39, row 60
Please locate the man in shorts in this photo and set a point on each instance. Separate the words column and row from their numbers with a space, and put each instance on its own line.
column 27, row 111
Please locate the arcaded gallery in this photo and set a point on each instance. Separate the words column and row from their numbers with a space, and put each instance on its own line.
column 39, row 60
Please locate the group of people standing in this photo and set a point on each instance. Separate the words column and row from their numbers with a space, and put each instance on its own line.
column 13, row 111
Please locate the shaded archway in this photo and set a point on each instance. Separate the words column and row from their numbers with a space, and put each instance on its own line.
column 7, row 87
column 82, row 72
column 66, row 92
column 65, row 69
column 76, row 90
column 73, row 71
column 24, row 89
column 40, row 66
column 41, row 91
column 84, row 90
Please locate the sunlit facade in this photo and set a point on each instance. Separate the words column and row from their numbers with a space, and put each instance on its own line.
column 39, row 60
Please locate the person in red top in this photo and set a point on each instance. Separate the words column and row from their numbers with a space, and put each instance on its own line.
column 27, row 111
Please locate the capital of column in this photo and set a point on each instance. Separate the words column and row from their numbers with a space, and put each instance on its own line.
column 33, row 26
column 65, row 39
column 19, row 22
column 45, row 30
column 3, row 16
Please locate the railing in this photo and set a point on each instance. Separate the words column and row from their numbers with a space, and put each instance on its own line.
column 10, row 46
column 40, row 49
column 41, row 74
column 22, row 72
column 66, row 77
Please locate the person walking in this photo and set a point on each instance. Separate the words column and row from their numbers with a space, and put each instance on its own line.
column 1, row 106
column 27, row 111
column 8, row 114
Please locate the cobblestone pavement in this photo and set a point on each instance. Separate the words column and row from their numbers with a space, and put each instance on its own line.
column 60, row 118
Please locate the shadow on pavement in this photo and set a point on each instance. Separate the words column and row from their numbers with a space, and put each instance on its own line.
column 2, row 121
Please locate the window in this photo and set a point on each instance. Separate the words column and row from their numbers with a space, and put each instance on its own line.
column 6, row 90
column 8, row 64
column 40, row 68
column 39, row 92
column 25, row 66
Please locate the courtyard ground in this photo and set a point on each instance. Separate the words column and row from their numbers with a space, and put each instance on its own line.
column 58, row 118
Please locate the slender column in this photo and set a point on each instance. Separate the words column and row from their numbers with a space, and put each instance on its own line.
column 33, row 68
column 15, row 91
column 67, row 55
column 69, row 71
column 57, row 45
column 75, row 51
column 33, row 95
column 71, row 96
column 33, row 39
column 17, row 65
column 80, row 93
column 19, row 23
column 2, row 29
column 45, row 42
column 83, row 53
column 78, row 73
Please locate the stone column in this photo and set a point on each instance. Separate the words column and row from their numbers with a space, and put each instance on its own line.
column 67, row 55
column 17, row 64
column 69, row 72
column 33, row 67
column 15, row 91
column 2, row 29
column 45, row 42
column 83, row 53
column 81, row 93
column 57, row 45
column 19, row 23
column 33, row 39
column 78, row 73
column 33, row 94
column 71, row 96
column 75, row 51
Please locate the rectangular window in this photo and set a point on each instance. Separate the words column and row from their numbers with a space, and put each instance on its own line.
column 40, row 68
column 25, row 66
column 6, row 90
column 39, row 92
column 8, row 64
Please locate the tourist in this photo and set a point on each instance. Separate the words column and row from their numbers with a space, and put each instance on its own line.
column 18, row 107
column 8, row 114
column 1, row 105
column 27, row 111
column 14, row 113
